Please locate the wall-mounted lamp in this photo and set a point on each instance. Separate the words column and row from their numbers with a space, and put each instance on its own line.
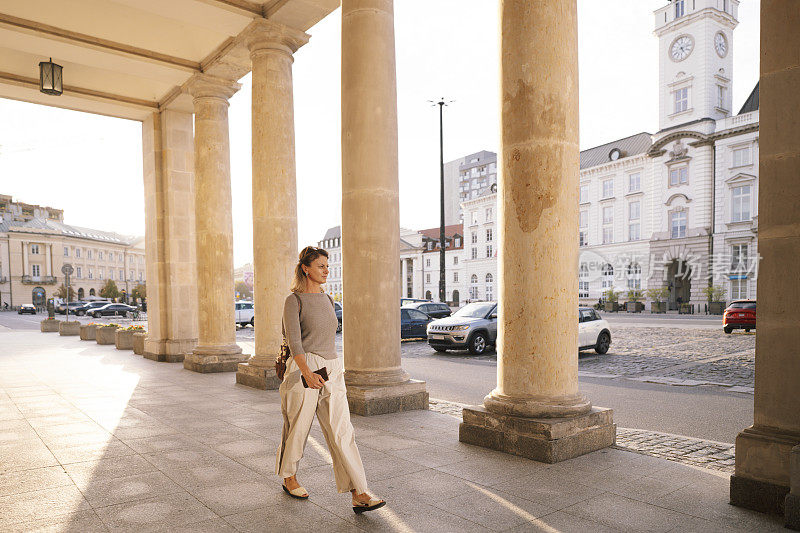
column 50, row 80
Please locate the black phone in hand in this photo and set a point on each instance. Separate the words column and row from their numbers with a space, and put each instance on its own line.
column 322, row 372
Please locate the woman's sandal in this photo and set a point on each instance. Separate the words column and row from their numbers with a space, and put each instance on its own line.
column 362, row 507
column 300, row 493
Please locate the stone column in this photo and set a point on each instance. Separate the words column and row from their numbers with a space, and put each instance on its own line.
column 168, row 165
column 762, row 476
column 537, row 410
column 216, row 349
column 275, row 251
column 25, row 248
column 403, row 275
column 375, row 380
column 48, row 268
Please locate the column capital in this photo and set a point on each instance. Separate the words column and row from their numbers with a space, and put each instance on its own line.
column 263, row 34
column 205, row 85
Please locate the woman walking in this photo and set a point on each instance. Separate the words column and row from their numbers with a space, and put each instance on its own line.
column 314, row 383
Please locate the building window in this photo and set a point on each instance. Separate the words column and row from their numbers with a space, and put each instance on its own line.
column 584, row 194
column 634, row 276
column 77, row 252
column 489, row 251
column 110, row 256
column 739, row 258
column 739, row 289
column 427, row 261
column 78, row 272
column 110, row 273
column 88, row 254
column 140, row 275
column 489, row 286
column 474, row 218
column 35, row 271
column 678, row 176
column 91, row 274
column 679, row 9
column 474, row 252
column 583, row 223
column 634, row 231
column 634, row 182
column 427, row 278
column 121, row 274
column 678, row 224
column 131, row 278
column 489, row 235
column 457, row 242
column 681, row 100
column 473, row 287
column 583, row 239
column 100, row 255
column 34, row 249
column 455, row 277
column 740, row 205
column 489, row 214
column 608, row 215
column 633, row 210
column 99, row 273
column 741, row 157
column 633, row 221
column 722, row 97
column 455, row 259
column 474, row 237
column 608, row 235
column 583, row 283
column 608, row 276
column 608, row 188
column 66, row 251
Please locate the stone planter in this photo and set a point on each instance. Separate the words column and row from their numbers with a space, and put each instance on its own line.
column 123, row 339
column 105, row 334
column 716, row 308
column 658, row 307
column 634, row 307
column 50, row 325
column 138, row 342
column 88, row 332
column 69, row 328
column 611, row 307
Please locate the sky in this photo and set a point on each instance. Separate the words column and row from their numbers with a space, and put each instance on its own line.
column 91, row 166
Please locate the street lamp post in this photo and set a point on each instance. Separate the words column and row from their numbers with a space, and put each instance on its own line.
column 442, row 286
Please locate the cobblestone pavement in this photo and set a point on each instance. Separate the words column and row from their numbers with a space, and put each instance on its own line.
column 685, row 450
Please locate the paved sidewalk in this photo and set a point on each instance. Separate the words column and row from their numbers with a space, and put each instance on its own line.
column 96, row 439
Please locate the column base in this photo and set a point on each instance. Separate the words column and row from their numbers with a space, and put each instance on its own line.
column 410, row 395
column 168, row 351
column 761, row 479
column 206, row 360
column 257, row 377
column 548, row 440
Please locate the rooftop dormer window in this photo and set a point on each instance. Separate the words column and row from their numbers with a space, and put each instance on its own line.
column 679, row 9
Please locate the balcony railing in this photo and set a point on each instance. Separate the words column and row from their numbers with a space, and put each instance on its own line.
column 38, row 280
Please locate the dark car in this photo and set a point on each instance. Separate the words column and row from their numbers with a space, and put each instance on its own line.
column 406, row 301
column 436, row 310
column 112, row 310
column 413, row 323
column 338, row 307
column 88, row 307
column 26, row 308
column 62, row 307
column 741, row 314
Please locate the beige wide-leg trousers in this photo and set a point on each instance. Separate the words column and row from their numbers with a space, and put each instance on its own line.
column 299, row 404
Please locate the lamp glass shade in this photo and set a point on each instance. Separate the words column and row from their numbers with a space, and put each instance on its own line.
column 50, row 81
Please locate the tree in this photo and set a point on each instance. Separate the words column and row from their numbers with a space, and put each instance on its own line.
column 243, row 290
column 140, row 292
column 109, row 290
column 62, row 293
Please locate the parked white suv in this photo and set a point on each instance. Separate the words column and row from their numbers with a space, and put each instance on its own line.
column 245, row 313
column 593, row 331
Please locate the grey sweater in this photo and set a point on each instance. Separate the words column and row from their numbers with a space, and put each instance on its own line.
column 312, row 328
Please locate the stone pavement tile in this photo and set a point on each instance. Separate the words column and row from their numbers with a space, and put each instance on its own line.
column 33, row 479
column 77, row 522
column 404, row 515
column 493, row 509
column 384, row 442
column 103, row 492
column 238, row 497
column 142, row 431
column 245, row 447
column 691, row 524
column 188, row 457
column 644, row 488
column 82, row 474
column 79, row 439
column 386, row 466
column 162, row 443
column 48, row 421
column 10, row 413
column 288, row 518
column 561, row 522
column 61, row 430
column 20, row 431
column 626, row 514
column 264, row 463
column 26, row 455
column 493, row 469
column 427, row 485
column 91, row 452
column 197, row 477
column 161, row 513
column 428, row 455
column 548, row 487
column 40, row 504
column 215, row 525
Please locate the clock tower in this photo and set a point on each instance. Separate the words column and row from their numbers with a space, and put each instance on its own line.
column 695, row 60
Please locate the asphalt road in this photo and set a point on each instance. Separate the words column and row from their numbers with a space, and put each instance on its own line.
column 705, row 412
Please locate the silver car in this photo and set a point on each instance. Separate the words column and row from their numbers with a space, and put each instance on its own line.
column 473, row 327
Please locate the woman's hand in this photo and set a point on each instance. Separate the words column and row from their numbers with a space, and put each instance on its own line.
column 314, row 381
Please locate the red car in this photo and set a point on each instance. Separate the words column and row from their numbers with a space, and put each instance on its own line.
column 741, row 314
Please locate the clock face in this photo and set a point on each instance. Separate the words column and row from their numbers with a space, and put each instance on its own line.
column 721, row 44
column 681, row 48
